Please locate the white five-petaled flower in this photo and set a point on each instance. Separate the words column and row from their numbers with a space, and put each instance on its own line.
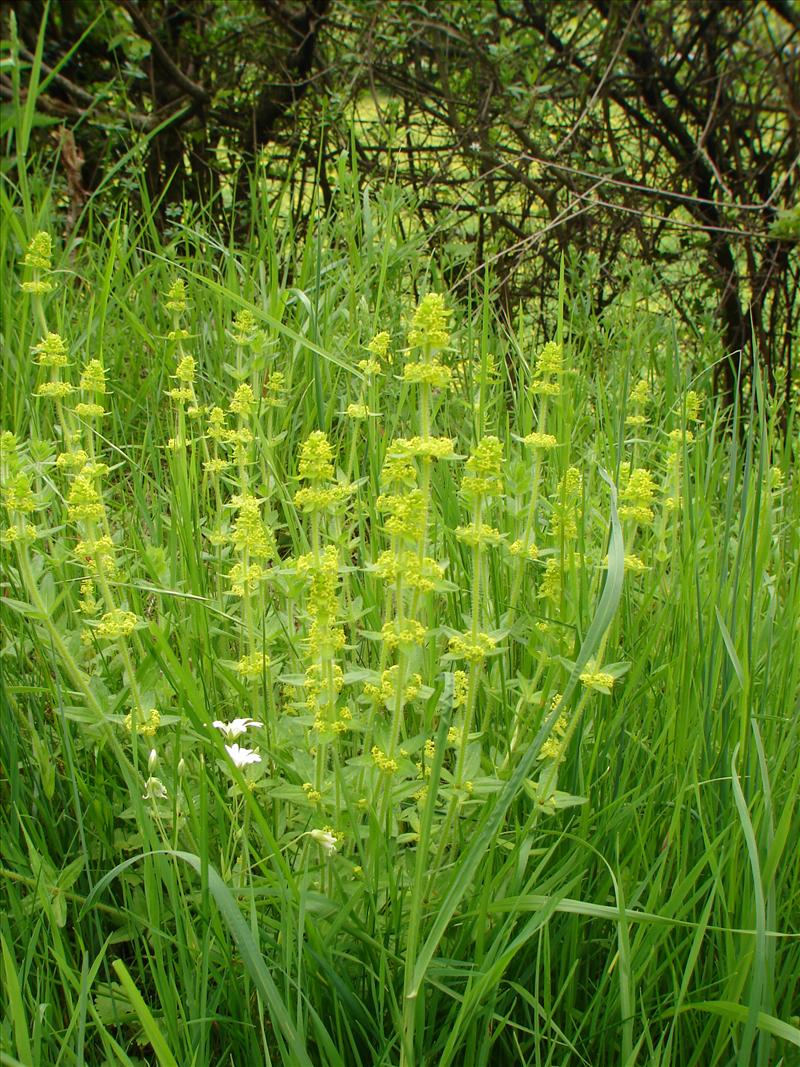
column 326, row 839
column 242, row 756
column 154, row 789
column 236, row 727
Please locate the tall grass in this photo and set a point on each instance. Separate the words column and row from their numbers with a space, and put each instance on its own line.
column 536, row 867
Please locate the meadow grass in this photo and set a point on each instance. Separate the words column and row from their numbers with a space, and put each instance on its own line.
column 516, row 617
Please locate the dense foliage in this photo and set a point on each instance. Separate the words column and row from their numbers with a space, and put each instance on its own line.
column 398, row 595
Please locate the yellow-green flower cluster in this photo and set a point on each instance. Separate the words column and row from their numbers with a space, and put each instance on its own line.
column 637, row 496
column 549, row 366
column 184, row 375
column 429, row 325
column 250, row 535
column 553, row 747
column 244, row 328
column 146, row 724
column 176, row 297
column 542, row 441
column 693, row 400
column 427, row 372
column 519, row 548
column 564, row 521
column 678, row 439
column 379, row 346
column 217, row 430
column 311, row 793
column 116, row 624
column 92, row 382
column 639, row 397
column 550, row 587
column 379, row 354
column 55, row 390
column 89, row 411
column 325, row 637
column 405, row 514
column 601, row 681
column 482, row 476
column 316, row 458
column 398, row 470
column 383, row 762
column 39, row 253
column 416, row 573
column 18, row 495
column 478, row 534
column 243, row 402
column 403, row 632
column 88, row 599
column 322, row 684
column 38, row 256
column 460, row 688
column 387, row 690
column 316, row 466
column 254, row 665
column 84, row 503
column 275, row 390
column 51, row 351
column 23, row 533
column 474, row 649
column 8, row 444
column 429, row 333
column 424, row 447
column 245, row 577
column 94, row 548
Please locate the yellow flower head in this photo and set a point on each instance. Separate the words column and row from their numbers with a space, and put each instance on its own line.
column 474, row 650
column 51, row 351
column 540, row 440
column 184, row 372
column 54, row 390
column 243, row 401
column 550, row 359
column 18, row 495
column 316, row 458
column 482, row 474
column 117, row 624
column 692, row 406
column 429, row 325
column 84, row 503
column 39, row 252
column 244, row 328
column 640, row 394
column 176, row 296
column 249, row 532
column 93, row 377
column 379, row 346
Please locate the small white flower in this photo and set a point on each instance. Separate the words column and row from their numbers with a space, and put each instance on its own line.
column 242, row 756
column 236, row 727
column 154, row 789
column 326, row 839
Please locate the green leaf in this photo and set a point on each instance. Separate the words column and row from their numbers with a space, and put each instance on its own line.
column 739, row 1013
column 252, row 958
column 149, row 1025
column 16, row 1008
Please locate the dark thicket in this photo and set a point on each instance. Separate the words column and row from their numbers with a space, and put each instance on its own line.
column 660, row 131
